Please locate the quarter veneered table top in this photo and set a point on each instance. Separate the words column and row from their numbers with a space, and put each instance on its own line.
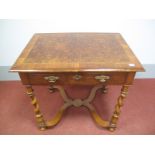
column 69, row 52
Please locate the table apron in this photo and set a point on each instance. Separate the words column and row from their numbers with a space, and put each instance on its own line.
column 115, row 78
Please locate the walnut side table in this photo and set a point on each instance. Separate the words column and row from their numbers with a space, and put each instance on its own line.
column 96, row 59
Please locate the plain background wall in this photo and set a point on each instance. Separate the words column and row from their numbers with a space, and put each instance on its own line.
column 139, row 34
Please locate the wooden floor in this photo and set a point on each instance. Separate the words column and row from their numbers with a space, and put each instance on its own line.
column 137, row 117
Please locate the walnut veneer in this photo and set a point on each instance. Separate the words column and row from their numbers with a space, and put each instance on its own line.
column 57, row 59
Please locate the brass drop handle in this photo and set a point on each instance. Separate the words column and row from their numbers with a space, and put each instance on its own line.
column 77, row 77
column 51, row 79
column 102, row 78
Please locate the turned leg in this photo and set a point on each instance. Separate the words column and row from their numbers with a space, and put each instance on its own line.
column 118, row 106
column 39, row 117
column 104, row 90
column 51, row 89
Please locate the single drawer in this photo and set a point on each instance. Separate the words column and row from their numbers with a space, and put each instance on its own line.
column 80, row 78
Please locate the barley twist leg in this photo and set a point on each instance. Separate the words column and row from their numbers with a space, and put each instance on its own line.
column 39, row 117
column 117, row 111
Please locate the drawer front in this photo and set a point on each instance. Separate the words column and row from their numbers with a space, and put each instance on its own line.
column 77, row 78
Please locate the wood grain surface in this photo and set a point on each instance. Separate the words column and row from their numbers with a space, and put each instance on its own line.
column 74, row 52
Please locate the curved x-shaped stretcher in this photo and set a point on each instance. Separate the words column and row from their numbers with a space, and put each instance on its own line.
column 111, row 125
column 77, row 103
